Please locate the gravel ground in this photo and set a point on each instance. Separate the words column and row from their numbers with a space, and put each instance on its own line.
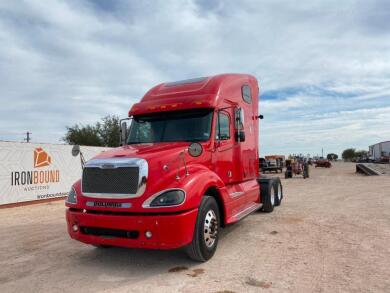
column 331, row 234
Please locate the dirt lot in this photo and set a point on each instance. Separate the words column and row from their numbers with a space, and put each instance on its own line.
column 331, row 234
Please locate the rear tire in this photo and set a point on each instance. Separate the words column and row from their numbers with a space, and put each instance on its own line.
column 278, row 192
column 268, row 196
column 205, row 240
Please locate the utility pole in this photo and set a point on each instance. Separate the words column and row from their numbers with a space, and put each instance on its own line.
column 322, row 152
column 28, row 138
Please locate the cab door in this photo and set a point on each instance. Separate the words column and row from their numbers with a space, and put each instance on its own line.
column 224, row 143
column 246, row 138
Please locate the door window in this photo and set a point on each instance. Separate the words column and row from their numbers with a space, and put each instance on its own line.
column 223, row 127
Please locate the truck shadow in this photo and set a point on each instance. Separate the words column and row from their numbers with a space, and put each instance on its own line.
column 133, row 260
column 117, row 261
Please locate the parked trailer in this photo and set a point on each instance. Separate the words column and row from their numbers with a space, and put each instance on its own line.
column 380, row 152
column 274, row 163
column 187, row 167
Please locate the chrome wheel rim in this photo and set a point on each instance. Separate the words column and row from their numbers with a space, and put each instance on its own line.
column 279, row 192
column 272, row 195
column 210, row 228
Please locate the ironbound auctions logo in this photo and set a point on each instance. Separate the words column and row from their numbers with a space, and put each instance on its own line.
column 33, row 177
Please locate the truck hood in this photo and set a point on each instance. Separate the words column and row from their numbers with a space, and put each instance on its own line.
column 150, row 151
column 164, row 160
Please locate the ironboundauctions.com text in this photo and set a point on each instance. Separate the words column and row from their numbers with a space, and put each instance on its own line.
column 59, row 194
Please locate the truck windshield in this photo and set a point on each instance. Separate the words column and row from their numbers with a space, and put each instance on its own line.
column 192, row 125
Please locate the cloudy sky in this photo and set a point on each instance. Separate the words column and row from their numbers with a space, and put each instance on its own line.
column 323, row 66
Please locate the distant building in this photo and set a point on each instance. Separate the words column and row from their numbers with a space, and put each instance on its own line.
column 379, row 151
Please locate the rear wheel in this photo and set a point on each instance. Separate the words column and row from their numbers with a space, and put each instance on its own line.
column 206, row 234
column 268, row 196
column 278, row 192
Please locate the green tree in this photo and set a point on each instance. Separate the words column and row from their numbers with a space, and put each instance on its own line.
column 361, row 154
column 83, row 135
column 349, row 154
column 109, row 131
column 332, row 156
column 104, row 133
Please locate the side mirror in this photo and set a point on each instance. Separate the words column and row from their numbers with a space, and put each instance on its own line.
column 123, row 133
column 75, row 150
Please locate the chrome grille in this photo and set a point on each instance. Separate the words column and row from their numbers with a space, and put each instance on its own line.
column 114, row 178
column 115, row 181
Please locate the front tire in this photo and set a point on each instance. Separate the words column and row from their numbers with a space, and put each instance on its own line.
column 205, row 240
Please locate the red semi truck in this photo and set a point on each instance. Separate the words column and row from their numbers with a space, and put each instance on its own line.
column 188, row 165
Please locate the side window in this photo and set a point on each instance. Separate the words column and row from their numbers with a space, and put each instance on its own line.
column 246, row 94
column 145, row 132
column 223, row 127
column 140, row 131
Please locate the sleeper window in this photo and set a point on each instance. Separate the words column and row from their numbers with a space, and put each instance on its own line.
column 246, row 94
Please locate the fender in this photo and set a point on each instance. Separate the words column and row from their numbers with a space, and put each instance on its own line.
column 199, row 181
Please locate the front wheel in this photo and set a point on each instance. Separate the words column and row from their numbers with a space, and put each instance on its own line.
column 206, row 234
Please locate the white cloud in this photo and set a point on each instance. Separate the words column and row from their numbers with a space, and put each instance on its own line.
column 72, row 61
column 306, row 124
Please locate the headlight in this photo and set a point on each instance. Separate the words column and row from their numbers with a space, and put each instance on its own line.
column 72, row 196
column 169, row 198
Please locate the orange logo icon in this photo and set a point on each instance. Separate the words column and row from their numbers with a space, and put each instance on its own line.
column 41, row 158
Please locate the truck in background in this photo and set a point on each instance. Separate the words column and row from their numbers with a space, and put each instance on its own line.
column 272, row 163
column 379, row 152
column 188, row 165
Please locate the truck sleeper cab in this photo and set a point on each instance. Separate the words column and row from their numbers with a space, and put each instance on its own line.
column 188, row 165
